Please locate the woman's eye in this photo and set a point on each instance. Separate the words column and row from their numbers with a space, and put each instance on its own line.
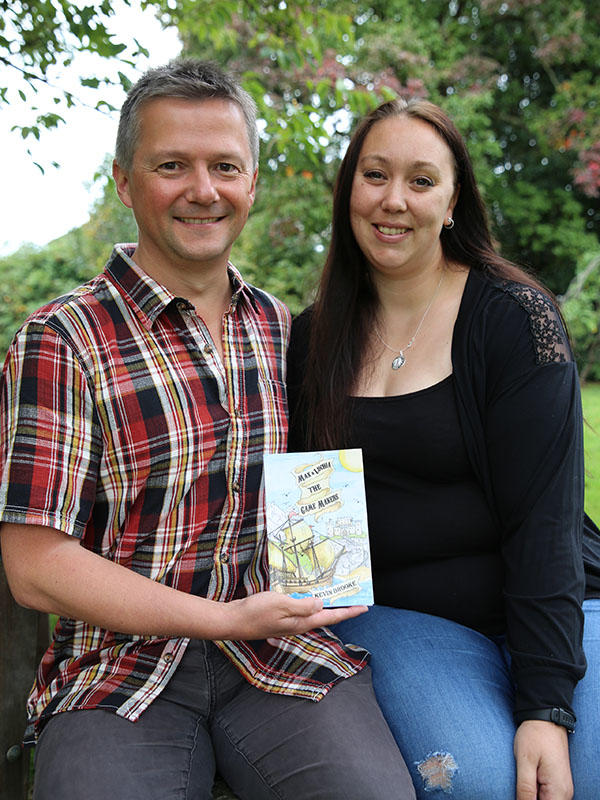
column 374, row 174
column 423, row 181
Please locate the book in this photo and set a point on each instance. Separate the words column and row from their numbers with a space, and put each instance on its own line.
column 317, row 531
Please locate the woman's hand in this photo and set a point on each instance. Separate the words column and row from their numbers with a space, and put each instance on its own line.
column 542, row 755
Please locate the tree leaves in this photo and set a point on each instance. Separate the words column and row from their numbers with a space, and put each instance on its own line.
column 521, row 80
column 40, row 37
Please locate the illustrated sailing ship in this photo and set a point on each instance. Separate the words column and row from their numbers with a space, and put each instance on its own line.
column 298, row 560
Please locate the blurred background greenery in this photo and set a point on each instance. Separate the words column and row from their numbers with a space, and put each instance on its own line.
column 519, row 77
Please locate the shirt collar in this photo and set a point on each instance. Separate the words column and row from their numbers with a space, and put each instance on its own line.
column 242, row 291
column 148, row 298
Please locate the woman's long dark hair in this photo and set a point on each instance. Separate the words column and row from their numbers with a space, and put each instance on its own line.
column 346, row 304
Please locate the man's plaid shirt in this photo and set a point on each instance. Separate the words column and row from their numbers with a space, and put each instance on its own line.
column 121, row 426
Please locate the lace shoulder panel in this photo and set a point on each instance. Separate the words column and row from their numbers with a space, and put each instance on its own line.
column 547, row 330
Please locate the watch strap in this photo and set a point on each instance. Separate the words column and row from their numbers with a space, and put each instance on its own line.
column 559, row 716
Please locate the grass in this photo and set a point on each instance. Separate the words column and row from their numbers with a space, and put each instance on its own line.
column 591, row 412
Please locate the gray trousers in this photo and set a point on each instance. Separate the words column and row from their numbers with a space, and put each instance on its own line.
column 266, row 746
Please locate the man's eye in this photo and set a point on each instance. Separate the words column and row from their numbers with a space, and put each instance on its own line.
column 224, row 166
column 168, row 166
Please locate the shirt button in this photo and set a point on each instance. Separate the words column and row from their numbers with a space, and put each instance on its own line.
column 182, row 306
column 208, row 349
column 225, row 558
column 235, row 486
column 168, row 657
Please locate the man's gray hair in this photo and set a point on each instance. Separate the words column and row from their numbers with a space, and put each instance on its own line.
column 188, row 79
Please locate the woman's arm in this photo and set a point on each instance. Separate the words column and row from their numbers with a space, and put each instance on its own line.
column 534, row 472
column 534, row 443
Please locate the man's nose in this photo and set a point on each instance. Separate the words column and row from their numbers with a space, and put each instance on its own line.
column 201, row 187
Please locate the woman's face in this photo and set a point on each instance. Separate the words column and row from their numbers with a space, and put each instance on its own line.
column 402, row 193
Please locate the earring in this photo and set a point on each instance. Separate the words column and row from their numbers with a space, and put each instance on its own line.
column 449, row 224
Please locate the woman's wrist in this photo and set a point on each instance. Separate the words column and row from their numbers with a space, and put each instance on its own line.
column 560, row 716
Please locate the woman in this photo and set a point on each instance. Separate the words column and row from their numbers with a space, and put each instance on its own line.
column 451, row 368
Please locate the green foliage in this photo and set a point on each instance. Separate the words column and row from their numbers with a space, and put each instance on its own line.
column 38, row 40
column 521, row 80
column 110, row 221
column 31, row 276
column 282, row 52
column 591, row 411
column 543, row 230
column 283, row 252
column 581, row 308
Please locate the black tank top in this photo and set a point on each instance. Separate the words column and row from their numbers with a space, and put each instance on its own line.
column 434, row 544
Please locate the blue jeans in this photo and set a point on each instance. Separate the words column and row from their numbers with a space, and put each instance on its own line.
column 266, row 746
column 447, row 694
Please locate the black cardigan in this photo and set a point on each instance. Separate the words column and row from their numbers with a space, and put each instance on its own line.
column 518, row 400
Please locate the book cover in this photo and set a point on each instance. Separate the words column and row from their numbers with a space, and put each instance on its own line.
column 317, row 532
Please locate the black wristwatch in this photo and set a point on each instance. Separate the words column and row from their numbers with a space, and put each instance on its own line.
column 557, row 715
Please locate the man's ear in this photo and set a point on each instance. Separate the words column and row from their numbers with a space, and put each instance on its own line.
column 252, row 191
column 121, row 179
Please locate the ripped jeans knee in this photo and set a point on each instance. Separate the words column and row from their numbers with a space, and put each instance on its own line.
column 437, row 772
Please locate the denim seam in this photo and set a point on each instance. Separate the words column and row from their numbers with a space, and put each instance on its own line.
column 191, row 758
column 266, row 780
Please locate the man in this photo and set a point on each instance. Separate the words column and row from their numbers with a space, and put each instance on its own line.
column 135, row 414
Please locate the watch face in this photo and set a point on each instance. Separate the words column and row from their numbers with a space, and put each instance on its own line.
column 564, row 718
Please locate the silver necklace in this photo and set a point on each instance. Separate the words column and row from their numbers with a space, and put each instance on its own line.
column 400, row 358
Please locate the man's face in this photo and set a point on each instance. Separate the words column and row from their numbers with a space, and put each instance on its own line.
column 191, row 184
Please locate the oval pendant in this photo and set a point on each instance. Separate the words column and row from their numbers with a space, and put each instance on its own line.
column 399, row 361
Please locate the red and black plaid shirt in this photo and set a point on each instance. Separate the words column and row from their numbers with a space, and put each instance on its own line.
column 120, row 425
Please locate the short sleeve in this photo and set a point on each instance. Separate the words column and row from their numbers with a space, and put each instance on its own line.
column 51, row 442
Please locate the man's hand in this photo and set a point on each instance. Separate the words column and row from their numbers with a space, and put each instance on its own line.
column 542, row 754
column 269, row 615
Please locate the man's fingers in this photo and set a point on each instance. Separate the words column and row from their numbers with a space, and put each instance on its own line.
column 307, row 606
column 345, row 613
column 331, row 616
column 322, row 618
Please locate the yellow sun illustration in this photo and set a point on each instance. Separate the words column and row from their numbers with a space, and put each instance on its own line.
column 351, row 460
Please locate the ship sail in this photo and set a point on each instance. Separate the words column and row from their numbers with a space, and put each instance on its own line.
column 300, row 561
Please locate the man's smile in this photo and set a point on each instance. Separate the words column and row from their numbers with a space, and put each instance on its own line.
column 199, row 220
